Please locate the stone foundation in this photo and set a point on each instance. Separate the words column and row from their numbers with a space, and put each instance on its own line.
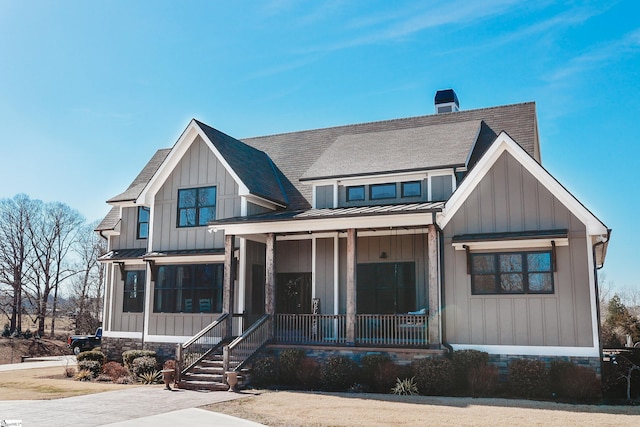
column 502, row 362
column 114, row 347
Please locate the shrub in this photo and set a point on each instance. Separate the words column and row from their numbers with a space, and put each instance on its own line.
column 114, row 370
column 434, row 376
column 289, row 361
column 308, row 373
column 28, row 334
column 69, row 372
column 130, row 355
column 83, row 375
column 483, row 380
column 338, row 373
column 103, row 378
column 265, row 371
column 379, row 372
column 144, row 364
column 405, row 387
column 577, row 383
column 91, row 366
column 528, row 378
column 6, row 332
column 93, row 355
column 149, row 377
column 463, row 362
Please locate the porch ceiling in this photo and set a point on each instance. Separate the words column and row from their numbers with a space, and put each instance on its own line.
column 313, row 220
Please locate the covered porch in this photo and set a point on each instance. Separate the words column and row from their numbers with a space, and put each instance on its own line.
column 305, row 270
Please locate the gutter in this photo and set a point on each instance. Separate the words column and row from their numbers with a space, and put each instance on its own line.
column 443, row 322
column 597, row 291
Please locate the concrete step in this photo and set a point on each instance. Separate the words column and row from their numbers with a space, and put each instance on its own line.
column 203, row 385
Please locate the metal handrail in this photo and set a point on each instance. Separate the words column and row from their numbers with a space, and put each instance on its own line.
column 236, row 354
column 203, row 343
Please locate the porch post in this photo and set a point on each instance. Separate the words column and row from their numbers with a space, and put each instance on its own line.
column 434, row 286
column 351, row 286
column 228, row 293
column 270, row 279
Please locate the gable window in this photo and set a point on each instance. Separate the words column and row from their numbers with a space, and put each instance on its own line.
column 189, row 288
column 196, row 206
column 382, row 191
column 355, row 193
column 411, row 189
column 512, row 273
column 133, row 298
column 143, row 222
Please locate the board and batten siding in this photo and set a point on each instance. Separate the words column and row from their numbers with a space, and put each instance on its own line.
column 253, row 209
column 198, row 168
column 510, row 199
column 127, row 239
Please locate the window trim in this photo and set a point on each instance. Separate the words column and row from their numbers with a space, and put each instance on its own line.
column 402, row 192
column 140, row 298
column 353, row 187
column 525, row 272
column 197, row 207
column 190, row 287
column 388, row 184
column 148, row 210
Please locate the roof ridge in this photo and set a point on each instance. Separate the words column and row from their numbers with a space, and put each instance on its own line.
column 398, row 119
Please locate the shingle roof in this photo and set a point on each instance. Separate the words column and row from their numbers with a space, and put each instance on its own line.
column 254, row 168
column 143, row 178
column 110, row 221
column 416, row 148
column 295, row 153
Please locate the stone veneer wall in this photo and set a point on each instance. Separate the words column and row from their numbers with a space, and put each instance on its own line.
column 502, row 362
column 114, row 347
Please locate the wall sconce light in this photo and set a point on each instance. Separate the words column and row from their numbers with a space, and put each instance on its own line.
column 383, row 255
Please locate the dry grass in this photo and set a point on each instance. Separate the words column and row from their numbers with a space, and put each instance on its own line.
column 47, row 383
column 337, row 409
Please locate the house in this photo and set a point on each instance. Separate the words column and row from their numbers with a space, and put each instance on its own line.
column 414, row 236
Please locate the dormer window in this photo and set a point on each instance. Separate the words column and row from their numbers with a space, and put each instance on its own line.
column 411, row 189
column 143, row 223
column 382, row 191
column 355, row 193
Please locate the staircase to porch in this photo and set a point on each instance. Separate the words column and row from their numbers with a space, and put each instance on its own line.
column 205, row 359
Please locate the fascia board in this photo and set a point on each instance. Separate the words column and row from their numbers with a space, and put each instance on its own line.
column 504, row 143
column 178, row 151
column 325, row 224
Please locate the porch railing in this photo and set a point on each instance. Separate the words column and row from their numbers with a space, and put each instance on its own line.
column 311, row 328
column 407, row 330
column 203, row 343
column 236, row 354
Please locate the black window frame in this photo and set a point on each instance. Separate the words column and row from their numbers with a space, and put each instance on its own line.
column 181, row 288
column 402, row 191
column 387, row 184
column 133, row 297
column 197, row 207
column 356, row 187
column 525, row 272
column 139, row 228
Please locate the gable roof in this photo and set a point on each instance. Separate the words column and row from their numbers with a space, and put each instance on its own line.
column 402, row 150
column 138, row 184
column 295, row 153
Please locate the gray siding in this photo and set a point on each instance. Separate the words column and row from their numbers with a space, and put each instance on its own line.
column 324, row 196
column 253, row 209
column 441, row 188
column 128, row 229
column 509, row 198
column 293, row 256
column 198, row 168
column 324, row 274
column 179, row 324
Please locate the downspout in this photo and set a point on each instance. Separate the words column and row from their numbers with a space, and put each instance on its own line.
column 597, row 291
column 443, row 322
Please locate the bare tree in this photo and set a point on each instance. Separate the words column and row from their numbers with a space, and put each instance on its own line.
column 14, row 253
column 53, row 230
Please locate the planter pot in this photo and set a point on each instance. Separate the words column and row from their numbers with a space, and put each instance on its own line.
column 168, row 375
column 232, row 380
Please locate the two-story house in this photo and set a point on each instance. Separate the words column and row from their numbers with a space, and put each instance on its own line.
column 422, row 234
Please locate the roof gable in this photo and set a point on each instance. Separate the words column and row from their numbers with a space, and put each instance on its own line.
column 504, row 143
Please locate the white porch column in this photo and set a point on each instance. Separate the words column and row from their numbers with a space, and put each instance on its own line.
column 351, row 285
column 434, row 287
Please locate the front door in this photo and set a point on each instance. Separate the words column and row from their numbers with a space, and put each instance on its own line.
column 293, row 293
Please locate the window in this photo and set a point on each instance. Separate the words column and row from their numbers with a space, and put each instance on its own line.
column 386, row 288
column 191, row 288
column 512, row 273
column 143, row 222
column 355, row 193
column 196, row 206
column 411, row 189
column 133, row 299
column 382, row 191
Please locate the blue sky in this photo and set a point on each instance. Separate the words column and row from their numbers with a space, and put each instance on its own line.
column 89, row 90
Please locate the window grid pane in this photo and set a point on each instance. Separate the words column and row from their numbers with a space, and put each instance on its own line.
column 513, row 272
column 196, row 206
column 194, row 288
column 355, row 193
column 382, row 191
column 411, row 189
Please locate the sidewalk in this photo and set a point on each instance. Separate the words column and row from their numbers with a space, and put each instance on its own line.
column 40, row 362
column 137, row 406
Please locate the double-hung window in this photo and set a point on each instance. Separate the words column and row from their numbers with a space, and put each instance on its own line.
column 143, row 222
column 196, row 206
column 512, row 273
